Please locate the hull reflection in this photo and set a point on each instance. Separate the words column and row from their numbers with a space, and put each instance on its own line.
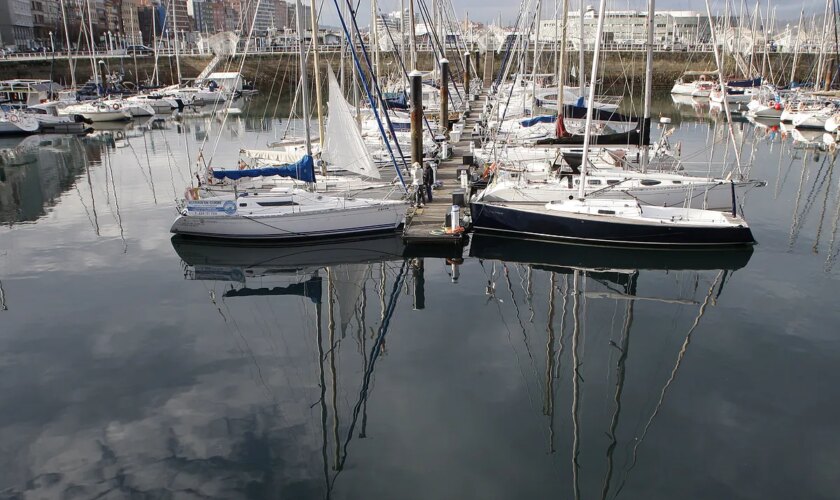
column 599, row 257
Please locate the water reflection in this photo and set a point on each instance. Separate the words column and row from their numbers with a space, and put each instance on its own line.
column 138, row 365
column 590, row 281
column 35, row 173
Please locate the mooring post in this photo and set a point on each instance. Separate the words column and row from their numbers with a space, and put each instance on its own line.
column 467, row 75
column 477, row 62
column 444, row 97
column 416, row 87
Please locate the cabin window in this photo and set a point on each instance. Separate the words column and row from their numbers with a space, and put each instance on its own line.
column 613, row 182
column 606, row 212
column 594, row 182
column 284, row 203
column 243, row 204
column 676, row 182
column 650, row 182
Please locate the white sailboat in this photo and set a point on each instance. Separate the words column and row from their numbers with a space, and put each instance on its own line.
column 287, row 214
column 622, row 221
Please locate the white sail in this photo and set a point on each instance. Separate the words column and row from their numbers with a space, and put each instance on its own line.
column 272, row 155
column 344, row 146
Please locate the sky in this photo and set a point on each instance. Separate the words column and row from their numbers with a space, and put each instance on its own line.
column 487, row 10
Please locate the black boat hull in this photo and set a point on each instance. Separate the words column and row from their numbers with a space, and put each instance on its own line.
column 503, row 219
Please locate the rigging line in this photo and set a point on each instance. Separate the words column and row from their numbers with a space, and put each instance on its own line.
column 333, row 371
column 92, row 197
column 230, row 101
column 815, row 248
column 671, row 378
column 169, row 158
column 231, row 320
column 576, row 378
column 519, row 319
column 548, row 405
column 374, row 355
column 373, row 106
column 109, row 166
column 323, row 386
column 436, row 42
column 799, row 218
column 621, row 370
column 831, row 255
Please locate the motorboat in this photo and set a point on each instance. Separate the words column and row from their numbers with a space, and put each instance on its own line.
column 15, row 122
column 95, row 111
column 695, row 83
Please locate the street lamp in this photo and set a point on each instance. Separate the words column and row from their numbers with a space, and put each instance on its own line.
column 52, row 43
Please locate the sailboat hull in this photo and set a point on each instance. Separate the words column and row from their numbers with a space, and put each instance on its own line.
column 507, row 219
column 366, row 219
column 712, row 195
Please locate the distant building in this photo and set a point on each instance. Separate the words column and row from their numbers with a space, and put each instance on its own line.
column 259, row 16
column 629, row 27
column 281, row 14
column 177, row 16
column 16, row 24
column 46, row 18
column 130, row 22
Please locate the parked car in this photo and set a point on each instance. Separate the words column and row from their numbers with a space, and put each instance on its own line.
column 138, row 49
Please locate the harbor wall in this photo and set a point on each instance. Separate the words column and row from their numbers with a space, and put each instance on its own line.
column 623, row 72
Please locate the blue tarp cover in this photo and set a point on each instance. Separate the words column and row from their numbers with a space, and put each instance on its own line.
column 303, row 170
column 530, row 122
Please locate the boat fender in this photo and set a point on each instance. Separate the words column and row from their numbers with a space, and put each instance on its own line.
column 778, row 107
column 14, row 118
column 116, row 106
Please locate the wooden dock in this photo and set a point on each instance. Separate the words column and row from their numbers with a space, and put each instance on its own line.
column 426, row 226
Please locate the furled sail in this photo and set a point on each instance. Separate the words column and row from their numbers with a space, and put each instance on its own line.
column 302, row 170
column 272, row 155
column 344, row 146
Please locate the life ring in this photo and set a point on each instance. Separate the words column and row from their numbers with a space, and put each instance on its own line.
column 119, row 135
column 14, row 118
column 702, row 78
column 116, row 106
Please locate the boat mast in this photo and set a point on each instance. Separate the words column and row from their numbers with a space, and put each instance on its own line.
column 304, row 83
column 537, row 16
column 402, row 41
column 412, row 34
column 67, row 40
column 318, row 101
column 581, row 64
column 93, row 50
column 722, row 84
column 648, row 83
column 155, row 80
column 175, row 32
column 561, row 69
column 589, row 108
column 796, row 48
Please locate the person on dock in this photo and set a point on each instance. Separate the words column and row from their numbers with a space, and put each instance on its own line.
column 428, row 181
column 417, row 184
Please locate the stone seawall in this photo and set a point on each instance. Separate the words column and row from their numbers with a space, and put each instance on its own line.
column 623, row 72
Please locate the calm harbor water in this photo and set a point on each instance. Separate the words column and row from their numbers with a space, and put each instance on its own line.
column 135, row 365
